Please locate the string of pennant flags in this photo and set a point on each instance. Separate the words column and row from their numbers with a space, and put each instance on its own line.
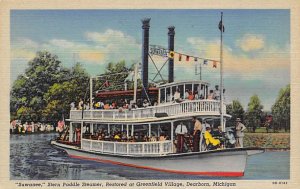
column 171, row 54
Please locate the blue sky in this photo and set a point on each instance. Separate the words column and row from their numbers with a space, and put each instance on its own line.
column 256, row 43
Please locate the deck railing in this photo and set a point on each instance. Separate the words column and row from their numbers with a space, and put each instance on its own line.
column 128, row 148
column 190, row 106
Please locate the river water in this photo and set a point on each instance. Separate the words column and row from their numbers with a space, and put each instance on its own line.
column 33, row 158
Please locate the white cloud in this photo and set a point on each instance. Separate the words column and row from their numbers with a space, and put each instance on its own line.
column 62, row 43
column 95, row 48
column 271, row 57
column 251, row 42
column 22, row 54
column 110, row 36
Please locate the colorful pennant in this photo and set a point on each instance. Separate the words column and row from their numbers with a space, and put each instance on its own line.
column 214, row 64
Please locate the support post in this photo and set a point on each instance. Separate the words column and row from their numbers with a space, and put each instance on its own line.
column 172, row 131
column 132, row 132
column 71, row 132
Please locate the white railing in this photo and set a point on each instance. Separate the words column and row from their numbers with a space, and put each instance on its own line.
column 190, row 106
column 128, row 148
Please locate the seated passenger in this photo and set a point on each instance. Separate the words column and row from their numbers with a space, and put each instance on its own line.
column 196, row 95
column 145, row 138
column 145, row 103
column 177, row 97
column 106, row 106
column 152, row 139
column 210, row 95
column 124, row 137
column 186, row 94
column 191, row 96
column 211, row 142
column 117, row 137
column 162, row 137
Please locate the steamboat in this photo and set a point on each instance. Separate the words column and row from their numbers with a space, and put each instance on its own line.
column 145, row 137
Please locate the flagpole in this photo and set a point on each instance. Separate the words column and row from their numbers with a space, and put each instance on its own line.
column 135, row 82
column 221, row 75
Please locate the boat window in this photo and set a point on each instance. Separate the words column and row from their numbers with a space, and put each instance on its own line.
column 188, row 123
column 114, row 128
column 100, row 127
column 180, row 87
column 162, row 95
column 169, row 96
column 165, row 130
column 141, row 132
column 159, row 129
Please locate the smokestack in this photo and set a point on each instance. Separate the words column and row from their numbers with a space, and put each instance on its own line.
column 171, row 35
column 145, row 50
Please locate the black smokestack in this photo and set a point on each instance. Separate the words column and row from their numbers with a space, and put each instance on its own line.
column 145, row 50
column 171, row 35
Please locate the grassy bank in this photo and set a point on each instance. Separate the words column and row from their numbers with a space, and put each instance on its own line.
column 267, row 140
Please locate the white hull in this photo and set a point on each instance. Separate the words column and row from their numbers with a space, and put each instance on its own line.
column 209, row 163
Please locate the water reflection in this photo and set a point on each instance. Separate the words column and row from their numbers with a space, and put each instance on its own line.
column 33, row 158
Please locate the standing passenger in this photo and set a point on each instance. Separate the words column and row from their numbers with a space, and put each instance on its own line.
column 180, row 131
column 196, row 134
column 217, row 93
column 240, row 128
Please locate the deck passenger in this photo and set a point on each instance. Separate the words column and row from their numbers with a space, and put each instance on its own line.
column 240, row 128
column 210, row 95
column 177, row 97
column 72, row 106
column 202, row 141
column 211, row 142
column 186, row 94
column 180, row 131
column 162, row 137
column 78, row 133
column 80, row 104
column 217, row 93
column 152, row 139
column 191, row 95
column 196, row 134
column 106, row 106
column 145, row 103
column 196, row 95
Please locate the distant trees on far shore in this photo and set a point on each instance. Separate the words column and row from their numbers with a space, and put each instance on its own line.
column 254, row 117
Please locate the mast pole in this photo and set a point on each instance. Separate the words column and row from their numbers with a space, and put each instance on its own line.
column 221, row 75
column 135, row 82
column 91, row 93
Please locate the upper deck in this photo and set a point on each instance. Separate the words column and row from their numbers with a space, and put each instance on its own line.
column 168, row 105
column 183, row 109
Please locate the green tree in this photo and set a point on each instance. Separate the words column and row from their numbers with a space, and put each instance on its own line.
column 28, row 90
column 44, row 92
column 254, row 113
column 281, row 109
column 115, row 74
column 236, row 110
column 61, row 95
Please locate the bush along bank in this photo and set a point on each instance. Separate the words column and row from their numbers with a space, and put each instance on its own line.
column 272, row 141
